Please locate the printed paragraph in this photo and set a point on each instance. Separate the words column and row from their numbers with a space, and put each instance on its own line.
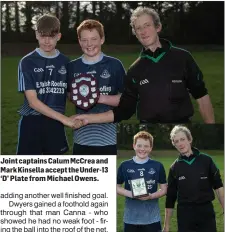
column 52, row 205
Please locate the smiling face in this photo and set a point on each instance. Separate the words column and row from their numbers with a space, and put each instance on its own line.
column 142, row 148
column 91, row 43
column 146, row 31
column 182, row 143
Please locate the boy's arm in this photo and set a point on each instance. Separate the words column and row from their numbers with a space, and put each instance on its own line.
column 110, row 100
column 119, row 74
column 120, row 180
column 105, row 117
column 160, row 193
column 40, row 107
column 162, row 186
column 27, row 85
column 123, row 192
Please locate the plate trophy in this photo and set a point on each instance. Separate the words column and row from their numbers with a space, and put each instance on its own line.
column 139, row 188
column 84, row 91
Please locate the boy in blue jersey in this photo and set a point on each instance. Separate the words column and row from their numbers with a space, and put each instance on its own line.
column 142, row 214
column 99, row 139
column 42, row 78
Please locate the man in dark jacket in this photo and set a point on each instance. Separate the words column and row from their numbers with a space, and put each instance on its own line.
column 159, row 83
column 191, row 181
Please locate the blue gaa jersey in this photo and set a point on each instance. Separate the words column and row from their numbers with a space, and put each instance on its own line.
column 139, row 212
column 47, row 76
column 109, row 73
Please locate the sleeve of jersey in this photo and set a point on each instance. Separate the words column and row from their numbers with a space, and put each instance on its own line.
column 215, row 176
column 171, row 195
column 162, row 175
column 128, row 100
column 195, row 83
column 25, row 78
column 120, row 77
column 120, row 176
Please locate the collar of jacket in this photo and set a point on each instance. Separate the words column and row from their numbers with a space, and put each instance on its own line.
column 158, row 53
column 191, row 157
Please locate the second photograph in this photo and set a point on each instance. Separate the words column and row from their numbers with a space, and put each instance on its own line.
column 170, row 178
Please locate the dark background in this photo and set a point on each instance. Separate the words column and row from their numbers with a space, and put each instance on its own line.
column 183, row 22
column 205, row 136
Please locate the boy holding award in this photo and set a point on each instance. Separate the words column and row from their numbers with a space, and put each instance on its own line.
column 97, row 83
column 141, row 176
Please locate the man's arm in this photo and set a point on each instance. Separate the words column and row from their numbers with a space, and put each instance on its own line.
column 40, row 107
column 206, row 109
column 170, row 199
column 217, row 184
column 123, row 192
column 197, row 88
column 168, row 215
column 110, row 100
column 220, row 196
column 129, row 99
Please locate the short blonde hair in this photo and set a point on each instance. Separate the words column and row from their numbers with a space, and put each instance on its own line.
column 143, row 135
column 141, row 11
column 180, row 128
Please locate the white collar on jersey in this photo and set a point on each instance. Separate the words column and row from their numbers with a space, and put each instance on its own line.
column 141, row 162
column 38, row 50
column 92, row 62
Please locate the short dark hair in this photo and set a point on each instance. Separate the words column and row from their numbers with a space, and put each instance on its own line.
column 48, row 25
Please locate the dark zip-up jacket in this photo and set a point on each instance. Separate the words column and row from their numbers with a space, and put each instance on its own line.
column 192, row 179
column 157, row 86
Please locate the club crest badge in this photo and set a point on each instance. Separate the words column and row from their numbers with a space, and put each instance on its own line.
column 105, row 74
column 62, row 70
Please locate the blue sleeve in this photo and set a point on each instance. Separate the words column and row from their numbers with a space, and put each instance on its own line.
column 162, row 174
column 120, row 74
column 120, row 176
column 26, row 79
